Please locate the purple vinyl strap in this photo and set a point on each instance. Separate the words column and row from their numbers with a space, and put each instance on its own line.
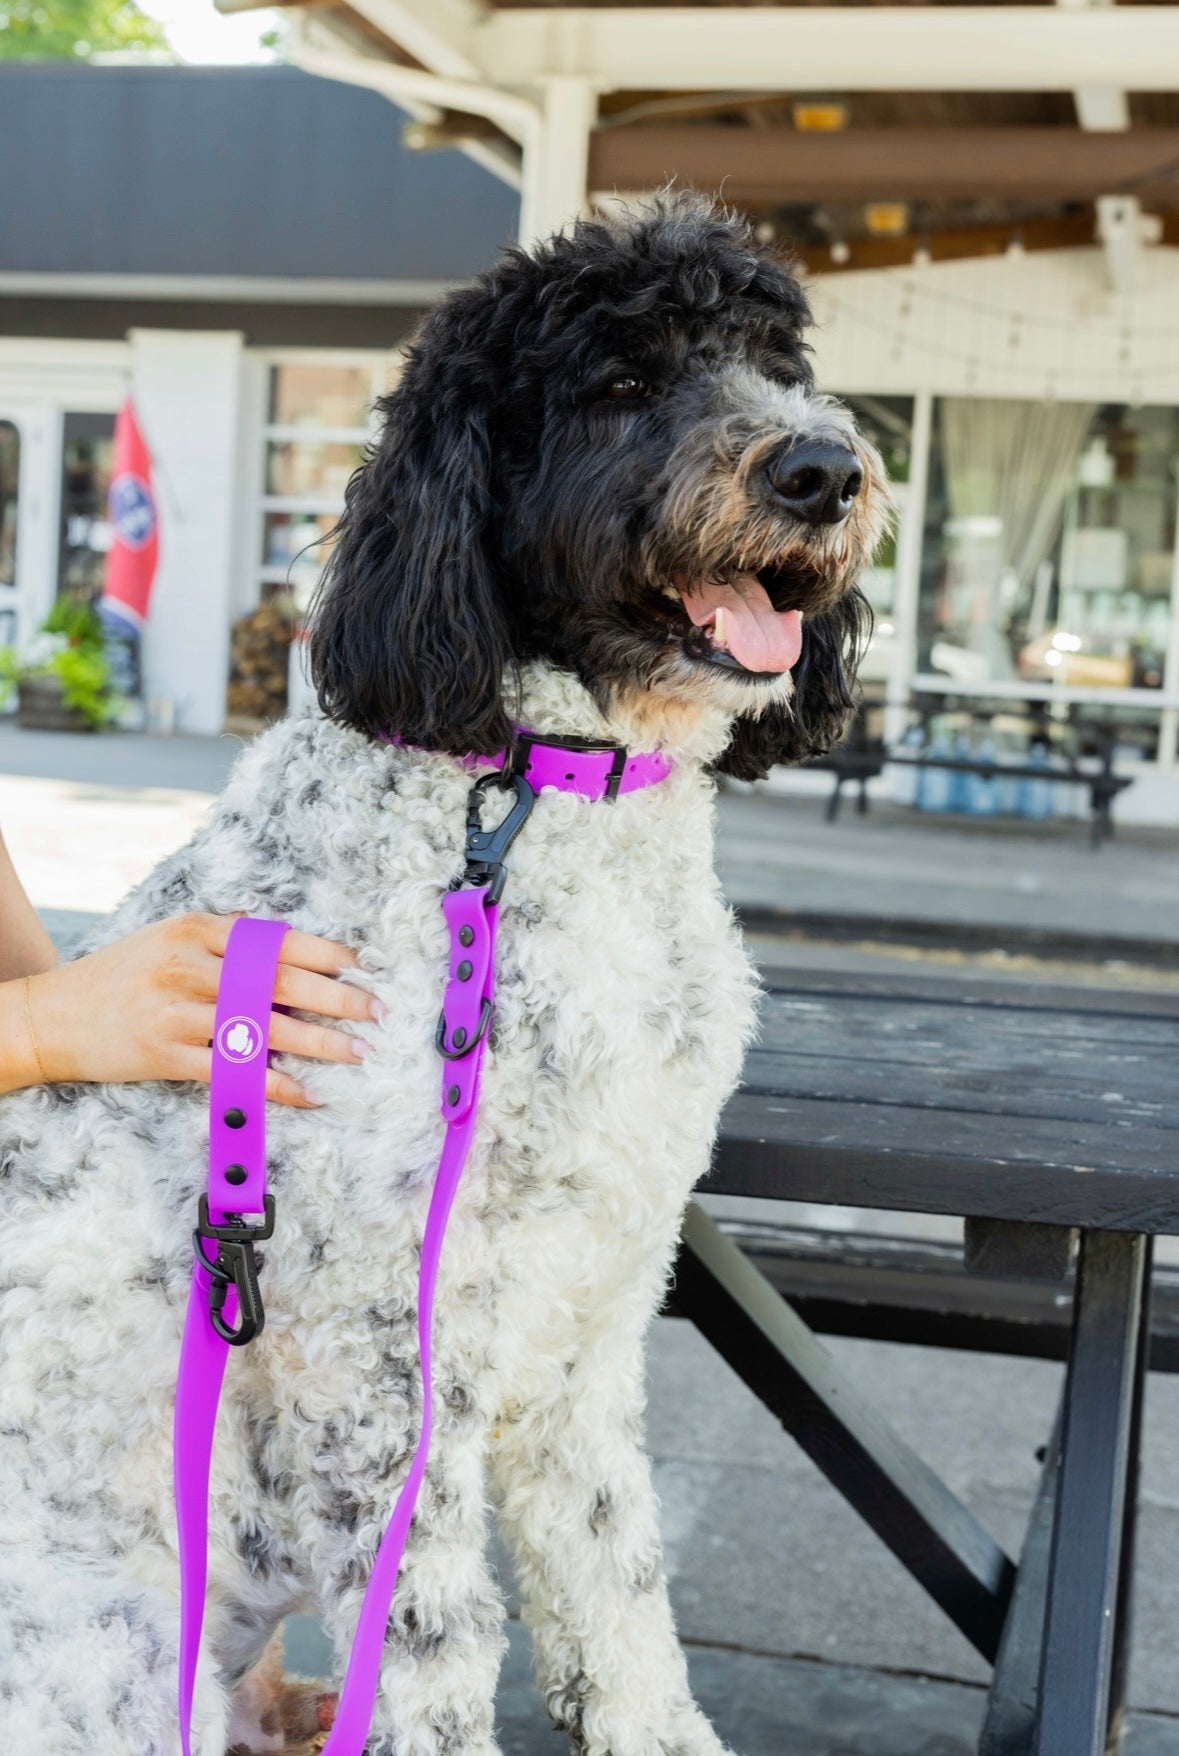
column 237, row 1185
column 238, row 1086
column 590, row 769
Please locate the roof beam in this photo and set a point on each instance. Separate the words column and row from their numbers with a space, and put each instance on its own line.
column 437, row 34
column 780, row 165
column 849, row 48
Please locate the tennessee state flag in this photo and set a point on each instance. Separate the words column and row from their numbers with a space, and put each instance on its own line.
column 135, row 549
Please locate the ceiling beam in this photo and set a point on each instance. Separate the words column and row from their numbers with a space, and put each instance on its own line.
column 437, row 34
column 846, row 48
column 780, row 165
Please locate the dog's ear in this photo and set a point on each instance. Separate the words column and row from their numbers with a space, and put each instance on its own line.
column 823, row 701
column 409, row 637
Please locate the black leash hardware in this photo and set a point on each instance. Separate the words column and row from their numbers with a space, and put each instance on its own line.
column 235, row 1266
column 486, row 848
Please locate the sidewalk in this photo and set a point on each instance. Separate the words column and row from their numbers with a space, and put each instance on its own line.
column 968, row 880
column 896, row 874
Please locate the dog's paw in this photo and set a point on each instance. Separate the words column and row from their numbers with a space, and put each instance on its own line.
column 605, row 1733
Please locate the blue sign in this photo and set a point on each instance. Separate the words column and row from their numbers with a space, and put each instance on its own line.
column 133, row 511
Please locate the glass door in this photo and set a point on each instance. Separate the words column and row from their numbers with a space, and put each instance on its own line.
column 88, row 442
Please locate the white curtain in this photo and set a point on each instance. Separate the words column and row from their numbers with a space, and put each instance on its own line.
column 1012, row 463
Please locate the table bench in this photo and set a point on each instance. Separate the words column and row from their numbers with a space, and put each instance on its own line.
column 1049, row 1120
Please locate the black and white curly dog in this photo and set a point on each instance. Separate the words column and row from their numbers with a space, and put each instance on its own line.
column 608, row 502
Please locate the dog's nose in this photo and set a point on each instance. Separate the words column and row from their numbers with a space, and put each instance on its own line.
column 816, row 480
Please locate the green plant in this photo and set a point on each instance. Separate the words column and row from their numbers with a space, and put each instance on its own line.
column 69, row 646
column 74, row 30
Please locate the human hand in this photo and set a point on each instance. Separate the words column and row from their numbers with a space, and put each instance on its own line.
column 144, row 1008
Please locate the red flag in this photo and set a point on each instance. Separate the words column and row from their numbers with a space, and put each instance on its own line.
column 135, row 551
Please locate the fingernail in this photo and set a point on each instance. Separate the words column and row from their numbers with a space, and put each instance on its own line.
column 361, row 1048
column 378, row 1009
column 313, row 1103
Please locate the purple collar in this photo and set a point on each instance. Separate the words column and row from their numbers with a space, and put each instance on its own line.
column 575, row 765
column 581, row 765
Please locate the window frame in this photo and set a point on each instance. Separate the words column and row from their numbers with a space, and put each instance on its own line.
column 268, row 578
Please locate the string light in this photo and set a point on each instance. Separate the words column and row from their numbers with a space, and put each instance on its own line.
column 1163, row 373
column 1065, row 325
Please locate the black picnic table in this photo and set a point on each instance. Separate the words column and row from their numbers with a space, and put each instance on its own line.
column 1049, row 1119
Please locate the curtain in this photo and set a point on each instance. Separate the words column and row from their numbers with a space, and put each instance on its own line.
column 1014, row 463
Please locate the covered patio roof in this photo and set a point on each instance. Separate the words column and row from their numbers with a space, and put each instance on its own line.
column 859, row 132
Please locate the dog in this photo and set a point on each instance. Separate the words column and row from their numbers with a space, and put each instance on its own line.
column 606, row 502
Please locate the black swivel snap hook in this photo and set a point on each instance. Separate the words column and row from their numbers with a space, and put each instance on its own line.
column 235, row 1266
column 485, row 848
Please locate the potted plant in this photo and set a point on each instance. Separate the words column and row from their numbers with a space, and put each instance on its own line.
column 62, row 676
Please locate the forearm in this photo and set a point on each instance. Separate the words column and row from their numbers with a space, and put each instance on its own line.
column 25, row 947
column 18, row 1055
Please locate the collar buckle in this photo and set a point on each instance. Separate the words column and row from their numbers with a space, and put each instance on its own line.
column 525, row 742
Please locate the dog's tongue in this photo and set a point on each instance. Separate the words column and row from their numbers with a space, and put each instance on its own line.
column 758, row 636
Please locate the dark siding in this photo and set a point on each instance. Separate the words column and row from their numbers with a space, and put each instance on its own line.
column 230, row 171
column 262, row 323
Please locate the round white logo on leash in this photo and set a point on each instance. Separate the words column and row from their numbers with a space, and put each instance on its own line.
column 239, row 1040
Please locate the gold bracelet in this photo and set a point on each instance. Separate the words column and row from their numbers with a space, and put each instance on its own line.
column 33, row 1034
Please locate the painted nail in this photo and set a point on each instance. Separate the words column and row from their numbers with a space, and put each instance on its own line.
column 378, row 1009
column 361, row 1048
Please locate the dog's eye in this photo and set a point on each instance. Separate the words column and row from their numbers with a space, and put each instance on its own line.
column 627, row 387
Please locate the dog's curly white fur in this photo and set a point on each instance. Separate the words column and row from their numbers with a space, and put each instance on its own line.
column 624, row 1002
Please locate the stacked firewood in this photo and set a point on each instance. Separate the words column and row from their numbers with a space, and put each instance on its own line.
column 259, row 653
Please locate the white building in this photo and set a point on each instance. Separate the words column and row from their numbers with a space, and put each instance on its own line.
column 243, row 250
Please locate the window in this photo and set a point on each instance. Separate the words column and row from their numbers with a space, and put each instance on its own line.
column 88, row 444
column 1050, row 537
column 318, row 424
column 888, row 422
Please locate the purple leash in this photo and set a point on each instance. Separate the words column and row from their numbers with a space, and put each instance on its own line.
column 225, row 1306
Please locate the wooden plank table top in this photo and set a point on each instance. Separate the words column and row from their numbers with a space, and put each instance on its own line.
column 1056, row 1105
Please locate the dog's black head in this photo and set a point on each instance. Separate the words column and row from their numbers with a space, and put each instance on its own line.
column 608, row 452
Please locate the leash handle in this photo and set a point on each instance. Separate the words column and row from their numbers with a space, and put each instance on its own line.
column 217, row 1317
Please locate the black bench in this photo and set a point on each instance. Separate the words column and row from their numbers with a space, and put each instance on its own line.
column 850, row 763
column 990, row 1102
column 1103, row 784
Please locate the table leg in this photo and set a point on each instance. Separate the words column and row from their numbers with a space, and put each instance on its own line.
column 1124, row 1611
column 768, row 1345
column 1010, row 1725
column 1084, row 1577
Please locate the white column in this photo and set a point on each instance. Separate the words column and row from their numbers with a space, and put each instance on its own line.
column 187, row 389
column 906, row 597
column 556, row 158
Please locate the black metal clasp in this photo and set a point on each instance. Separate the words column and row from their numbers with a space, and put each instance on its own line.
column 485, row 848
column 235, row 1266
